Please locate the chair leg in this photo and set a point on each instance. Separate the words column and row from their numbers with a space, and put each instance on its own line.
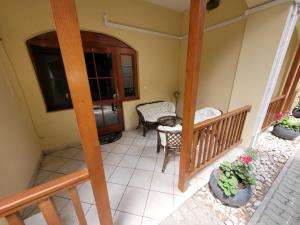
column 144, row 130
column 165, row 159
column 139, row 125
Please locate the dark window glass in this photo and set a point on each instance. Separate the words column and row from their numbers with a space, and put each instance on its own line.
column 127, row 74
column 52, row 78
column 107, row 88
column 94, row 89
column 104, row 64
column 89, row 61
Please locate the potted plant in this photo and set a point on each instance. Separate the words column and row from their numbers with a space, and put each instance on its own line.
column 296, row 110
column 231, row 182
column 286, row 126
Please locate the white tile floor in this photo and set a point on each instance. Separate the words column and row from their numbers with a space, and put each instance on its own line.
column 140, row 194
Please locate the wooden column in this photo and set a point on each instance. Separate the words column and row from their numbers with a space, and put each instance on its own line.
column 288, row 90
column 65, row 17
column 195, row 38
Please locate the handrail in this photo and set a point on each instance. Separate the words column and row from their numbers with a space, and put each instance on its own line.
column 277, row 98
column 221, row 117
column 43, row 191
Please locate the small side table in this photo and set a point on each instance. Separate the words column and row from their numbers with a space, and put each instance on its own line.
column 170, row 121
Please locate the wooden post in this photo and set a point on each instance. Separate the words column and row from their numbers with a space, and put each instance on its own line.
column 287, row 91
column 195, row 38
column 68, row 33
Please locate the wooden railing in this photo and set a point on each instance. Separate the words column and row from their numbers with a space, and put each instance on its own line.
column 275, row 107
column 42, row 196
column 214, row 137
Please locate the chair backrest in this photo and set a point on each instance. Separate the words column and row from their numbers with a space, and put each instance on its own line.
column 206, row 113
column 174, row 139
column 153, row 108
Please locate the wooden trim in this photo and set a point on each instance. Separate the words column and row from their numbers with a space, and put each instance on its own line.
column 287, row 89
column 65, row 17
column 33, row 195
column 14, row 219
column 195, row 41
column 49, row 212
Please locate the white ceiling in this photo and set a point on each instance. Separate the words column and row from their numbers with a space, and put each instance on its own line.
column 177, row 5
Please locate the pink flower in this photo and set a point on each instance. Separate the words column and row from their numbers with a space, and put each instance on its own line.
column 286, row 113
column 246, row 159
column 278, row 116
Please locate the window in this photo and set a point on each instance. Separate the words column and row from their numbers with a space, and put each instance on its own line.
column 111, row 68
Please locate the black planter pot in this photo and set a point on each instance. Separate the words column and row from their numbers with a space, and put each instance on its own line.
column 284, row 133
column 296, row 113
column 240, row 199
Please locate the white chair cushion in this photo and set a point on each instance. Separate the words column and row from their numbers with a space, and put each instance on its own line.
column 163, row 137
column 206, row 113
column 151, row 112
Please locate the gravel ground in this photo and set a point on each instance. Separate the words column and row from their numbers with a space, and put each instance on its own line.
column 273, row 153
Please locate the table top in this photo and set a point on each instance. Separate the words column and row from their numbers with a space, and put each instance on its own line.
column 170, row 121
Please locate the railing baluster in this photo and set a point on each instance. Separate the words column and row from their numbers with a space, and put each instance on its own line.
column 212, row 134
column 77, row 206
column 205, row 150
column 201, row 151
column 49, row 211
column 232, row 131
column 14, row 219
column 194, row 150
column 238, row 124
column 221, row 138
column 217, row 136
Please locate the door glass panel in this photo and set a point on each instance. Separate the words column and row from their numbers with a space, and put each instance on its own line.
column 104, row 64
column 107, row 88
column 127, row 74
column 110, row 114
column 94, row 89
column 89, row 61
column 99, row 116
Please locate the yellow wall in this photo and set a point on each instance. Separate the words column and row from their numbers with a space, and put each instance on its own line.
column 20, row 150
column 220, row 54
column 261, row 40
column 157, row 56
column 287, row 63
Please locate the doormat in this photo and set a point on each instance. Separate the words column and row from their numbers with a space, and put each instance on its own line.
column 110, row 138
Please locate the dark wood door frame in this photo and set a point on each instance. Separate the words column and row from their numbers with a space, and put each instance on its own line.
column 291, row 81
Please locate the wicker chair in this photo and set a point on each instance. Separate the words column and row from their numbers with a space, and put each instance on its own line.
column 168, row 138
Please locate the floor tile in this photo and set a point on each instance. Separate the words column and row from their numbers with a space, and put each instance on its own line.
column 41, row 177
column 121, row 218
column 159, row 205
column 170, row 167
column 162, row 182
column 130, row 133
column 141, row 178
column 104, row 155
column 146, row 163
column 107, row 147
column 134, row 201
column 68, row 214
column 120, row 148
column 113, row 159
column 53, row 176
column 66, row 153
column 37, row 219
column 108, row 170
column 115, row 193
column 148, row 221
column 92, row 216
column 135, row 150
column 139, row 142
column 121, row 175
column 129, row 161
column 60, row 203
column 178, row 200
column 78, row 156
column 51, row 163
column 126, row 140
column 150, row 152
column 86, row 193
column 151, row 143
column 70, row 166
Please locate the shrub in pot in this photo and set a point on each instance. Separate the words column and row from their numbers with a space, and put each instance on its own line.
column 286, row 127
column 296, row 110
column 231, row 182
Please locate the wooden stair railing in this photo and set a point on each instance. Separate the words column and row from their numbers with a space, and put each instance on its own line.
column 42, row 196
column 214, row 137
column 275, row 107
